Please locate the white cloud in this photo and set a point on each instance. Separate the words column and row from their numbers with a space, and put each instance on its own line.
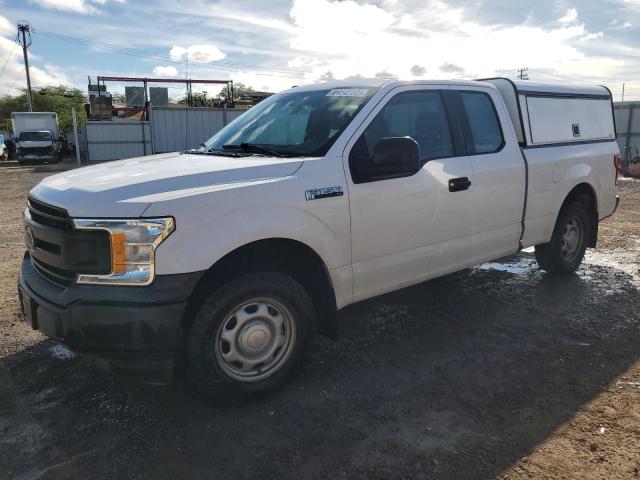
column 437, row 36
column 619, row 25
column 13, row 75
column 77, row 6
column 592, row 36
column 570, row 17
column 167, row 71
column 313, row 16
column 199, row 53
column 6, row 27
column 263, row 82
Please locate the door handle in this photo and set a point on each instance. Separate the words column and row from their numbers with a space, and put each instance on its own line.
column 459, row 184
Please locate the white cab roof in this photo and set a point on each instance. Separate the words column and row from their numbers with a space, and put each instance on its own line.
column 375, row 83
column 520, row 86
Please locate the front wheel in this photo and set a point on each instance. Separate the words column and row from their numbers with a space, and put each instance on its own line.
column 565, row 252
column 250, row 335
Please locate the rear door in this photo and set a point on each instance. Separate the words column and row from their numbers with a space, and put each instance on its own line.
column 405, row 230
column 499, row 173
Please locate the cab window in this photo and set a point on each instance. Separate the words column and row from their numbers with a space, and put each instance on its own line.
column 419, row 115
column 484, row 125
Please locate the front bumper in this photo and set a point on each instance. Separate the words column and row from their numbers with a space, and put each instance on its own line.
column 135, row 331
column 37, row 157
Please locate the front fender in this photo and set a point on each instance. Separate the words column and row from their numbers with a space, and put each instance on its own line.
column 198, row 246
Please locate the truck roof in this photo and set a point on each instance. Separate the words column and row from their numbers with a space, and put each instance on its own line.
column 520, row 86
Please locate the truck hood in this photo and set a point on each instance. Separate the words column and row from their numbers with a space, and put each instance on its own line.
column 126, row 188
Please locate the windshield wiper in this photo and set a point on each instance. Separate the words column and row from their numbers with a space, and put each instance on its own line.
column 254, row 148
column 214, row 153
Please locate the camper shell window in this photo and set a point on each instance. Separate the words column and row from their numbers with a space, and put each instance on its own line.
column 548, row 115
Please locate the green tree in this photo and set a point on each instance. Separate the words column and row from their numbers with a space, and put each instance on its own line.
column 239, row 90
column 57, row 99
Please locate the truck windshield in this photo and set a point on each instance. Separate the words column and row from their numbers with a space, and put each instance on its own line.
column 34, row 136
column 302, row 123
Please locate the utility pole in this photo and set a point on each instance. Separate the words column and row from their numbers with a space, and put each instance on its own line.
column 623, row 85
column 24, row 30
column 523, row 74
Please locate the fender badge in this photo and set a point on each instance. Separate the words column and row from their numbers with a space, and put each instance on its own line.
column 325, row 192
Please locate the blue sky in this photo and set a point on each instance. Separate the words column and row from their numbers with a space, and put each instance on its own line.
column 274, row 45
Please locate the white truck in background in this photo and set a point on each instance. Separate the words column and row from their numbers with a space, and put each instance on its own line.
column 37, row 136
column 229, row 257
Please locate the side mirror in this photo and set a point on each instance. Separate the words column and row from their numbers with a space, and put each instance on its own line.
column 396, row 157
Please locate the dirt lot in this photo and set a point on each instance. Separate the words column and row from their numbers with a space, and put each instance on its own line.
column 495, row 372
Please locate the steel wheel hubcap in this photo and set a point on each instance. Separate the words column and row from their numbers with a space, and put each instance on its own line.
column 255, row 339
column 572, row 238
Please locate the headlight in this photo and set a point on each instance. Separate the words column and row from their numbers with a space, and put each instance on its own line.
column 133, row 245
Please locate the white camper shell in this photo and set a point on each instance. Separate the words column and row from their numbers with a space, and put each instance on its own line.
column 557, row 114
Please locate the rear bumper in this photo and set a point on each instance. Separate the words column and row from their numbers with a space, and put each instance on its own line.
column 134, row 331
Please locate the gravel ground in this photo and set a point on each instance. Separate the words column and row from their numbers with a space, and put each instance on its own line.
column 495, row 372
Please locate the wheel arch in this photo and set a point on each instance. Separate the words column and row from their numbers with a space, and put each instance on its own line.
column 585, row 194
column 285, row 255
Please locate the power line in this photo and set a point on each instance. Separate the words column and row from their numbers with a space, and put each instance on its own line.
column 149, row 55
column 548, row 75
column 13, row 85
column 8, row 58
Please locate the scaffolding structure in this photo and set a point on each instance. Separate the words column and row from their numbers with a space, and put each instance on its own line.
column 230, row 103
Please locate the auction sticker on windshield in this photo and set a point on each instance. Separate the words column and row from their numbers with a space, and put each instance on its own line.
column 348, row 92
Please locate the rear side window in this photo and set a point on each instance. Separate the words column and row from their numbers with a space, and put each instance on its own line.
column 486, row 134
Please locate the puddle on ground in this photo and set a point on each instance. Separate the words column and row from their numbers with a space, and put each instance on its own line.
column 61, row 352
column 517, row 266
column 625, row 260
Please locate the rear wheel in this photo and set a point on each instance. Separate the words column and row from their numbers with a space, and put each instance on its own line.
column 250, row 335
column 565, row 252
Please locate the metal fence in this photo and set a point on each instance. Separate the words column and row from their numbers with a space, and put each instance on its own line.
column 176, row 129
column 116, row 140
column 627, row 116
column 168, row 130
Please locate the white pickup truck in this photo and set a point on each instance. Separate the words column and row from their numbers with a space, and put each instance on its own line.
column 229, row 258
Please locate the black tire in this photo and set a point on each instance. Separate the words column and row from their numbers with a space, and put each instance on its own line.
column 204, row 361
column 559, row 256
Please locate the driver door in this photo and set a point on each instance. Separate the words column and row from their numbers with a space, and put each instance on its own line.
column 409, row 229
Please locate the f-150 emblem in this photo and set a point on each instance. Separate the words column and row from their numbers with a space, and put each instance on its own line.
column 325, row 192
